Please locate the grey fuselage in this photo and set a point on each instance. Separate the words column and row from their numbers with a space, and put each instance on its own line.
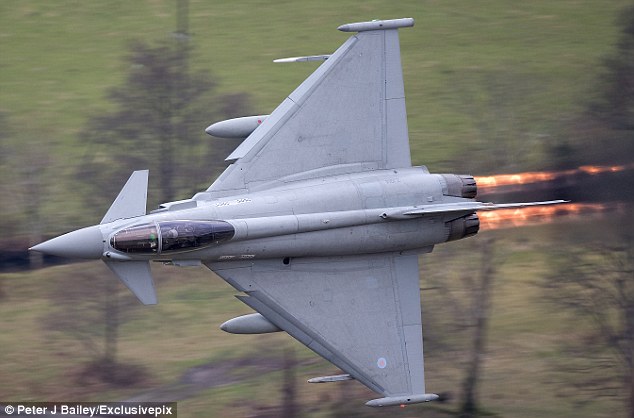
column 338, row 215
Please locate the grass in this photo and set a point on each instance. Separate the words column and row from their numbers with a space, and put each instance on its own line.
column 525, row 334
column 477, row 74
column 182, row 332
column 59, row 58
column 520, row 67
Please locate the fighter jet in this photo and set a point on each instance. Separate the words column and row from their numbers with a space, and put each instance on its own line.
column 318, row 221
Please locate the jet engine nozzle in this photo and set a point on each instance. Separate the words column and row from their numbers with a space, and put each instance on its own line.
column 458, row 185
column 464, row 227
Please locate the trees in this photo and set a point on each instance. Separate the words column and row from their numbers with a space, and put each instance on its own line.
column 157, row 122
column 25, row 188
column 90, row 307
column 616, row 104
column 480, row 308
column 604, row 132
column 595, row 282
column 462, row 305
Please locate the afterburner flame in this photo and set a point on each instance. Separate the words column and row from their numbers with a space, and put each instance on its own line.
column 541, row 176
column 537, row 215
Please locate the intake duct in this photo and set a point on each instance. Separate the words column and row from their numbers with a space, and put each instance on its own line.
column 464, row 227
column 458, row 185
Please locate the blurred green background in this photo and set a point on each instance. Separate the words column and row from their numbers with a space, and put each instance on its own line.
column 492, row 87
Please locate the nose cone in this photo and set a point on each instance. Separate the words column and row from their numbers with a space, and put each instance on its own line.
column 83, row 243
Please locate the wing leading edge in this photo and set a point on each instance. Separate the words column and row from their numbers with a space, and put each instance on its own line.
column 339, row 120
column 362, row 313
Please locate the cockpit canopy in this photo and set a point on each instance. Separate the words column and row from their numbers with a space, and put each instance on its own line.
column 171, row 236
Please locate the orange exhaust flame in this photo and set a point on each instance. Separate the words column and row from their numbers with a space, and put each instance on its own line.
column 540, row 176
column 539, row 215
